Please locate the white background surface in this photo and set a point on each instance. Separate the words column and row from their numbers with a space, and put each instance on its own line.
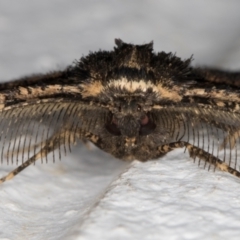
column 90, row 195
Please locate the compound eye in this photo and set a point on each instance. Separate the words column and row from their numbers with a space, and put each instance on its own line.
column 144, row 120
column 114, row 121
column 112, row 125
column 147, row 125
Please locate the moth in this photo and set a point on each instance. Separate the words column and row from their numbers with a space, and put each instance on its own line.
column 130, row 102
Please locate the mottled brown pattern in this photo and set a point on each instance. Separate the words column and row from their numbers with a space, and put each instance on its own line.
column 130, row 102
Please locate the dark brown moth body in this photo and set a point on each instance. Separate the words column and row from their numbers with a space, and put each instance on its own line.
column 130, row 102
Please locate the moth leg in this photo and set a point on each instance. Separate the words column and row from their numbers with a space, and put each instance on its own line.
column 230, row 140
column 201, row 154
column 42, row 153
column 58, row 139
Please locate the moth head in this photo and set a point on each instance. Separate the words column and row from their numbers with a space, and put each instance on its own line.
column 130, row 118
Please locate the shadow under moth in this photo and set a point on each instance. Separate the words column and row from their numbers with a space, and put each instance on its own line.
column 130, row 102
